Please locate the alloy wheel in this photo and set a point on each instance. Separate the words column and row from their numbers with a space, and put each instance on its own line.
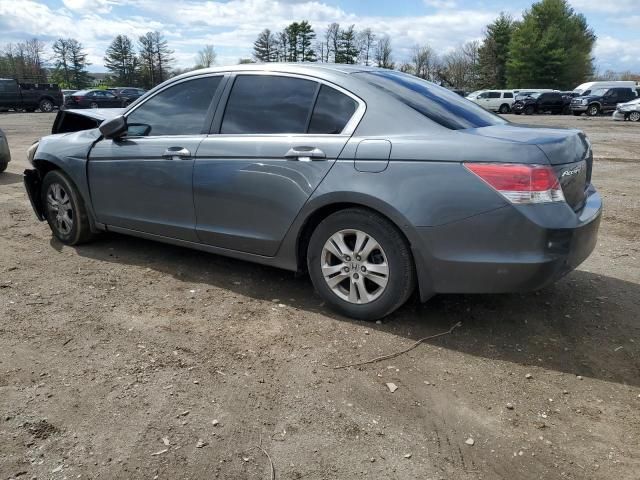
column 355, row 266
column 46, row 106
column 634, row 116
column 593, row 110
column 60, row 208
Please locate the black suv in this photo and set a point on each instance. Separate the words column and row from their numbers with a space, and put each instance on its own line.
column 539, row 102
column 601, row 100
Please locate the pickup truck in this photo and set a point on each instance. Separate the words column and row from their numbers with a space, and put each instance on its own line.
column 29, row 96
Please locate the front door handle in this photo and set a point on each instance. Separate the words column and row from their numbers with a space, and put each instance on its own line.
column 305, row 154
column 176, row 153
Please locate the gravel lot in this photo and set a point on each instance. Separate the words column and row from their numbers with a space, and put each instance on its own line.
column 131, row 359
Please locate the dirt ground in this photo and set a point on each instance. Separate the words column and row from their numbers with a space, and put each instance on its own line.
column 130, row 359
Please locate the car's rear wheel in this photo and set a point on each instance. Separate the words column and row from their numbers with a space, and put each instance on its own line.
column 93, row 105
column 504, row 108
column 45, row 105
column 65, row 211
column 634, row 116
column 593, row 110
column 360, row 264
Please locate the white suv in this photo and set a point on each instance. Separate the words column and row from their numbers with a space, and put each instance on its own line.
column 495, row 100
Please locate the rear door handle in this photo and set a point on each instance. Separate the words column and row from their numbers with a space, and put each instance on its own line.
column 176, row 153
column 305, row 154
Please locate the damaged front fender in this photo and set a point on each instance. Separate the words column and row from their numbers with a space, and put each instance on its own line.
column 32, row 183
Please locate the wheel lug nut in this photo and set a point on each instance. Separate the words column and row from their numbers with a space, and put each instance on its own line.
column 356, row 276
column 347, row 258
column 364, row 269
column 358, row 258
column 346, row 269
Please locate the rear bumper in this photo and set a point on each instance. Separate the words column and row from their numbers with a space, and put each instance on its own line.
column 511, row 249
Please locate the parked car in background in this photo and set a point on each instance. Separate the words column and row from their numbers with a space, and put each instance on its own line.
column 602, row 100
column 66, row 93
column 93, row 99
column 127, row 94
column 5, row 154
column 29, row 96
column 494, row 100
column 541, row 102
column 326, row 170
column 589, row 87
column 628, row 111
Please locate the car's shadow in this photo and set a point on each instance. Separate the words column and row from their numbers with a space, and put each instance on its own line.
column 586, row 324
column 8, row 178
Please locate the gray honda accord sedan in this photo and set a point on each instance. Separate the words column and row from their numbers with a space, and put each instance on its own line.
column 376, row 183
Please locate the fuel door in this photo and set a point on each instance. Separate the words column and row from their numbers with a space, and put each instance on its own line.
column 372, row 155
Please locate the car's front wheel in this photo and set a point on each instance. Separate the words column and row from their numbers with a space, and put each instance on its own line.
column 65, row 211
column 593, row 110
column 3, row 166
column 361, row 264
column 93, row 105
column 529, row 110
column 634, row 116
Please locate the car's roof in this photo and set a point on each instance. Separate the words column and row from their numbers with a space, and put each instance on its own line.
column 315, row 69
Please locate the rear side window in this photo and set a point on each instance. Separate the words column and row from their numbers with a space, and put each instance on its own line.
column 178, row 110
column 494, row 94
column 332, row 111
column 508, row 95
column 436, row 103
column 263, row 104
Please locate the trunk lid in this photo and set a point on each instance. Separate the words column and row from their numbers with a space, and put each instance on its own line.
column 567, row 150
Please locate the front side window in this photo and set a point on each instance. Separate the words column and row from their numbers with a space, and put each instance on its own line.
column 178, row 110
column 494, row 94
column 265, row 104
column 332, row 111
column 436, row 103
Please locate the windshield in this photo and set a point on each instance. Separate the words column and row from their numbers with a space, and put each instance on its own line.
column 436, row 103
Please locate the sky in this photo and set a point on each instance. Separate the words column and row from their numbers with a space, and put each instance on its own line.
column 232, row 25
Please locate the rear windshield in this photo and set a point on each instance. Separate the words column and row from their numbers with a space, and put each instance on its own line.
column 437, row 103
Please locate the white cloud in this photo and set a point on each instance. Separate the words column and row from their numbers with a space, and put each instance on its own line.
column 440, row 3
column 625, row 53
column 615, row 6
column 98, row 6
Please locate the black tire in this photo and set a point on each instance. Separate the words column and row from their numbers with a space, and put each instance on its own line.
column 80, row 230
column 577, row 114
column 593, row 110
column 566, row 110
column 3, row 166
column 94, row 105
column 518, row 113
column 529, row 110
column 504, row 108
column 46, row 105
column 634, row 116
column 401, row 274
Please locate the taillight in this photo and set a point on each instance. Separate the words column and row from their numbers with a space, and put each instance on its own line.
column 520, row 183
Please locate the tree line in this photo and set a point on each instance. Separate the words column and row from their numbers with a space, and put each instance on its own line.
column 551, row 47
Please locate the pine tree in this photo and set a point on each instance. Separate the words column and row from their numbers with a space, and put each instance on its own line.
column 120, row 59
column 148, row 59
column 551, row 47
column 306, row 35
column 62, row 72
column 494, row 52
column 347, row 51
column 78, row 64
column 164, row 57
column 264, row 48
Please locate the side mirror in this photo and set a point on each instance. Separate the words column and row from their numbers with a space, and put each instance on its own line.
column 114, row 128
